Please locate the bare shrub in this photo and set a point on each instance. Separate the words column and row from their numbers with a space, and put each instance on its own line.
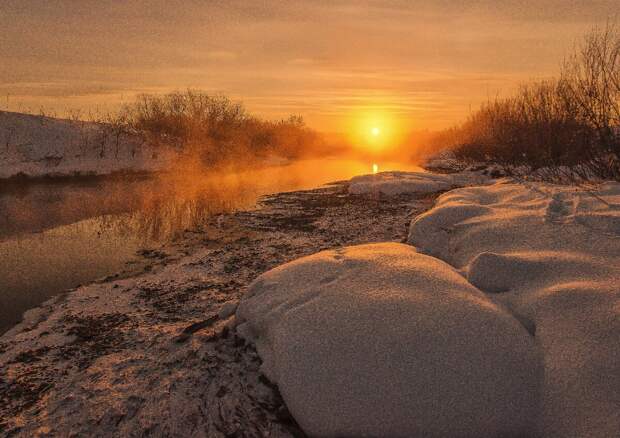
column 214, row 128
column 592, row 85
column 566, row 128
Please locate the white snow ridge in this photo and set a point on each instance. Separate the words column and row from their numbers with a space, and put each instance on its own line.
column 397, row 183
column 553, row 253
column 379, row 340
column 45, row 146
column 505, row 321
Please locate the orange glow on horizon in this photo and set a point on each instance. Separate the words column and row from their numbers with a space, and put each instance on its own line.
column 375, row 131
column 424, row 62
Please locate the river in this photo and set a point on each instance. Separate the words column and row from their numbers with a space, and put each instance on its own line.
column 55, row 236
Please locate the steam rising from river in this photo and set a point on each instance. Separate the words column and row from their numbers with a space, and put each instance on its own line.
column 56, row 235
column 162, row 206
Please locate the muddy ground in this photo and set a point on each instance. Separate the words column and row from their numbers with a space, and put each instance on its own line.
column 149, row 356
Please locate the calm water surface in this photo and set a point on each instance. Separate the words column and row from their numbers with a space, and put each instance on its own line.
column 55, row 236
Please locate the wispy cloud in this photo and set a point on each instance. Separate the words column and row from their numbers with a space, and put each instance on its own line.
column 429, row 60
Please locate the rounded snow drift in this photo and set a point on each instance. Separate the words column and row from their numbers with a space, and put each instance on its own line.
column 379, row 340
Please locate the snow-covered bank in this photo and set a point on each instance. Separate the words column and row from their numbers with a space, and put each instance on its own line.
column 552, row 254
column 397, row 183
column 494, row 340
column 37, row 146
column 374, row 341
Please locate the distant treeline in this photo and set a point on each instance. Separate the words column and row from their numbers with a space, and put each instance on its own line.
column 564, row 128
column 214, row 129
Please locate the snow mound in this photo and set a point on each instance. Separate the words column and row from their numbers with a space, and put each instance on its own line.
column 551, row 254
column 493, row 273
column 380, row 340
column 397, row 183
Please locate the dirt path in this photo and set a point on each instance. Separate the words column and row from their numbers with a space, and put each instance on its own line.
column 149, row 355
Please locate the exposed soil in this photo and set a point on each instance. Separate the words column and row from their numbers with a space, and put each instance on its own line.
column 149, row 356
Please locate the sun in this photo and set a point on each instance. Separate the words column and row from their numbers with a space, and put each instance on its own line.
column 373, row 130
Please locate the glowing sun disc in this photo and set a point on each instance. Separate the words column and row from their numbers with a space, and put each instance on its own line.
column 375, row 131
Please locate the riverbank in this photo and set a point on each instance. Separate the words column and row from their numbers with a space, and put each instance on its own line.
column 148, row 354
column 39, row 146
column 17, row 181
column 76, row 232
column 492, row 279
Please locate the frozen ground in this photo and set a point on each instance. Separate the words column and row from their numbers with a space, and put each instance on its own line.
column 151, row 355
column 43, row 146
column 501, row 319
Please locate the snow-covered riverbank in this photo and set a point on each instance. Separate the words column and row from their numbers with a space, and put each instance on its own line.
column 500, row 304
column 501, row 319
column 37, row 146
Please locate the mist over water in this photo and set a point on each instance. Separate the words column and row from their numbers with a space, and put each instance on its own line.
column 57, row 235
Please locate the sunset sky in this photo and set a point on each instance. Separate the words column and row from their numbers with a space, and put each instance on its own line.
column 423, row 61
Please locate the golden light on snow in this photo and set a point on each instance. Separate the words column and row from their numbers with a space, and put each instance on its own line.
column 375, row 168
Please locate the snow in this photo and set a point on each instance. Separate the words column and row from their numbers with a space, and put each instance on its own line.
column 398, row 183
column 501, row 318
column 552, row 254
column 43, row 146
column 380, row 340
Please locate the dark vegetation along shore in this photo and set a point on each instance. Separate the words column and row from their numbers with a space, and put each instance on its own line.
column 565, row 128
column 154, row 354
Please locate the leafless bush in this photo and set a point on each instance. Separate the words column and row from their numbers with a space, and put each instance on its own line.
column 566, row 128
column 213, row 128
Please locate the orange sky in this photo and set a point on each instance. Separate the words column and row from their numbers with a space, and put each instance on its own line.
column 422, row 63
